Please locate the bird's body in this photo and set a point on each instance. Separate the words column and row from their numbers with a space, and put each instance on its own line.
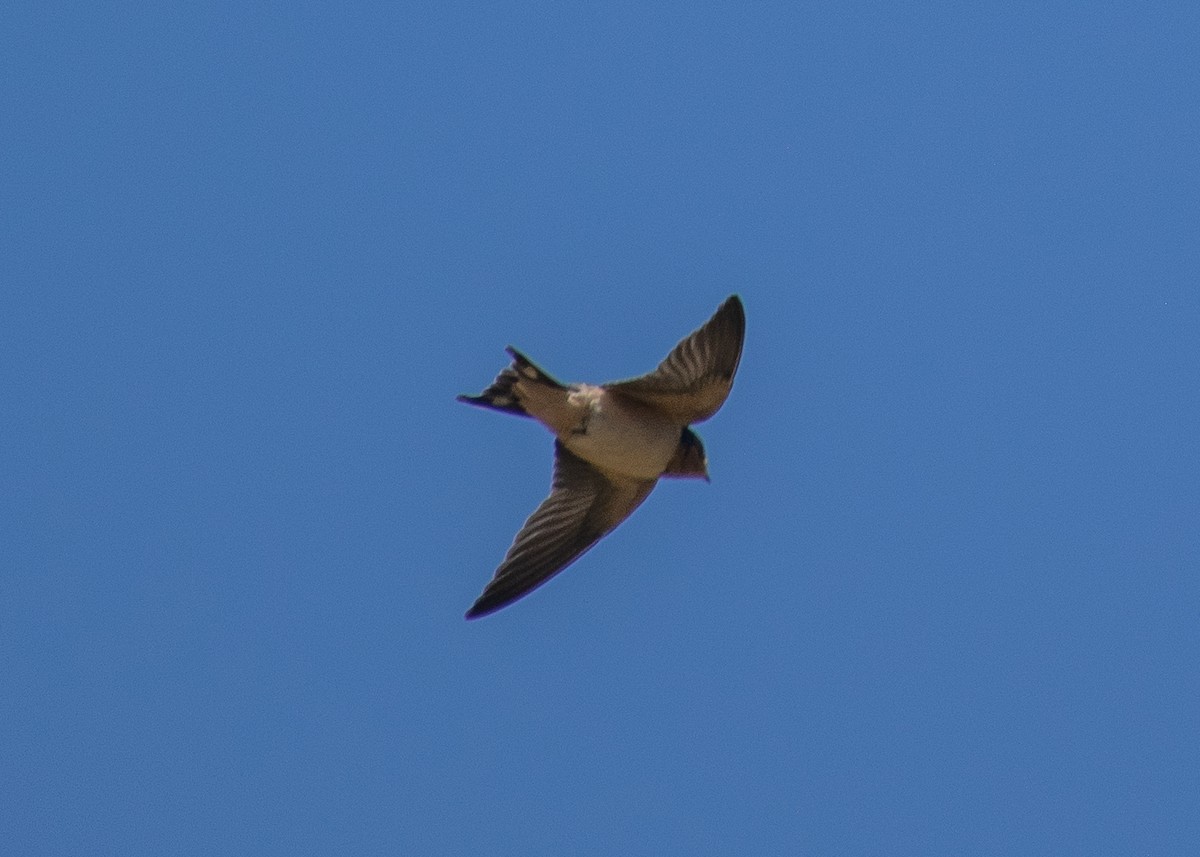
column 611, row 432
column 613, row 442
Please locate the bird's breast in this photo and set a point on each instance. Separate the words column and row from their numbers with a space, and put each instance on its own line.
column 624, row 436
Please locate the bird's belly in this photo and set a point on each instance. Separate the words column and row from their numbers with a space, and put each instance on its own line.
column 628, row 439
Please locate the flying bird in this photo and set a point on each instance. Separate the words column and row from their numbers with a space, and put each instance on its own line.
column 612, row 443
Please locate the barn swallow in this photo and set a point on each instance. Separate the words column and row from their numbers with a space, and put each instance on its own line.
column 612, row 443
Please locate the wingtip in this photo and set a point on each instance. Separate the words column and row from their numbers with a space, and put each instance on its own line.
column 480, row 609
column 734, row 302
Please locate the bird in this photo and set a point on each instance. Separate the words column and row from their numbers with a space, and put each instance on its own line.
column 612, row 443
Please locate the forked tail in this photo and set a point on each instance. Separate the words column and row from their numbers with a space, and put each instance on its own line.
column 501, row 395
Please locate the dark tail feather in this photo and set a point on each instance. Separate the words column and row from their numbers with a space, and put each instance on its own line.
column 501, row 396
column 531, row 370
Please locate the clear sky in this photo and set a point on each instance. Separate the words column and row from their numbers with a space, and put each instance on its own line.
column 942, row 596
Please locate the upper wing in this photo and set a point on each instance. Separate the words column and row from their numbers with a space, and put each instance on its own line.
column 584, row 504
column 694, row 380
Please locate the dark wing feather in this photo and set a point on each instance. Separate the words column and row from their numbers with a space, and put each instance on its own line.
column 694, row 380
column 584, row 504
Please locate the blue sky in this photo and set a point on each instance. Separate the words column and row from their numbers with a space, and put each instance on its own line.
column 941, row 596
